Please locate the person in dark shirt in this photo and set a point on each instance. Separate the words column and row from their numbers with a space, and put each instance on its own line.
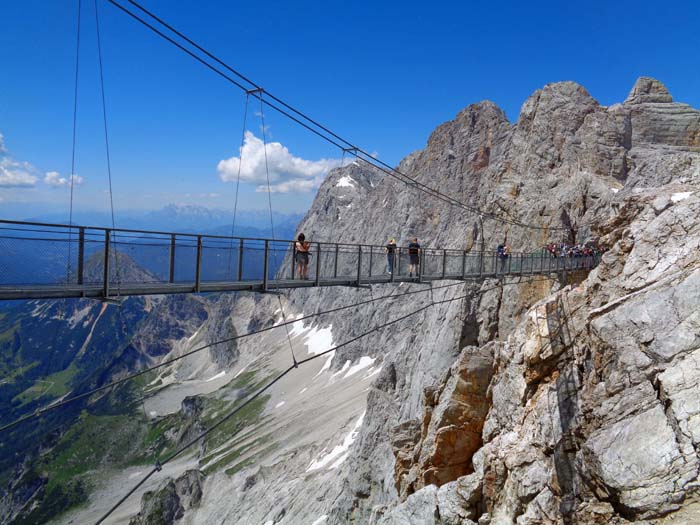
column 390, row 256
column 302, row 256
column 414, row 257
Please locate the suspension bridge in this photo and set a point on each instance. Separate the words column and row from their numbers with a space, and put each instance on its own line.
column 50, row 261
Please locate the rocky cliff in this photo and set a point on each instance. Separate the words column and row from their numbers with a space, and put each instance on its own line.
column 523, row 400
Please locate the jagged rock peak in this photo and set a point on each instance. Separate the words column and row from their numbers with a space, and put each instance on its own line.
column 648, row 89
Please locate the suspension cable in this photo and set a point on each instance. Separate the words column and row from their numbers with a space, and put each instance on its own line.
column 39, row 412
column 272, row 225
column 238, row 182
column 285, row 323
column 72, row 160
column 307, row 122
column 106, row 136
column 233, row 412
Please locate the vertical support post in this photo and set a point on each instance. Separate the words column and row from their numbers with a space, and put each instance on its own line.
column 266, row 262
column 240, row 259
column 105, row 277
column 198, row 267
column 510, row 258
column 171, row 268
column 421, row 261
column 392, row 266
column 398, row 261
column 464, row 265
column 371, row 252
column 444, row 262
column 294, row 258
column 81, row 253
column 318, row 264
column 335, row 262
column 359, row 263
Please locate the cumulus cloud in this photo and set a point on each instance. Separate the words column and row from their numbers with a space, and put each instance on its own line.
column 53, row 178
column 288, row 173
column 14, row 174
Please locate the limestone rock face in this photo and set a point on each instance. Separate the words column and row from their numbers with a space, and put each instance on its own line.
column 523, row 400
column 170, row 502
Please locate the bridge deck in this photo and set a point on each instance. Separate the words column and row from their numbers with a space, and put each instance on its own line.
column 49, row 261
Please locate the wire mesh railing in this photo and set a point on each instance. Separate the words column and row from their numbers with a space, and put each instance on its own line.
column 36, row 255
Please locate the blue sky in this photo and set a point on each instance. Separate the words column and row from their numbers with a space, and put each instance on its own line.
column 383, row 74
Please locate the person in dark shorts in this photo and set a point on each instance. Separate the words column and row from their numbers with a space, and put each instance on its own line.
column 414, row 257
column 390, row 256
column 302, row 256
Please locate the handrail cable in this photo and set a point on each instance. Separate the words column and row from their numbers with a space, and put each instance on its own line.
column 229, row 415
column 325, row 133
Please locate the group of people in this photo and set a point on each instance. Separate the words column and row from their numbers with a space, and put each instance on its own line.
column 302, row 249
column 574, row 250
column 414, row 251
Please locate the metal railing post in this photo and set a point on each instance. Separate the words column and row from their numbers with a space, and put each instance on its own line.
column 240, row 259
column 81, row 253
column 359, row 263
column 444, row 262
column 421, row 260
column 464, row 265
column 294, row 259
column 371, row 252
column 171, row 269
column 398, row 261
column 318, row 265
column 392, row 265
column 105, row 278
column 335, row 262
column 265, row 264
column 198, row 266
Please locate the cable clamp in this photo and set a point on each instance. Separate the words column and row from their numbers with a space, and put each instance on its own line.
column 256, row 91
column 352, row 150
column 158, row 466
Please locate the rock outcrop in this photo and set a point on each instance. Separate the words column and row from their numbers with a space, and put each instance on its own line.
column 523, row 400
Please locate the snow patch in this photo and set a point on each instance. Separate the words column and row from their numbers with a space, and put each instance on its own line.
column 327, row 364
column 365, row 362
column 79, row 316
column 614, row 190
column 281, row 403
column 681, row 196
column 340, row 452
column 317, row 340
column 342, row 370
column 373, row 373
column 346, row 182
column 240, row 371
column 217, row 376
column 303, row 390
column 321, row 520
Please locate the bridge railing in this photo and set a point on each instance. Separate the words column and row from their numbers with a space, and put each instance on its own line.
column 41, row 254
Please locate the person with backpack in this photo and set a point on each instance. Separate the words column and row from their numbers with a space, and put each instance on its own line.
column 414, row 257
column 302, row 256
column 390, row 256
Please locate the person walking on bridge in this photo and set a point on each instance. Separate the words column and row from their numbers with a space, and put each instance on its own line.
column 302, row 256
column 390, row 256
column 414, row 257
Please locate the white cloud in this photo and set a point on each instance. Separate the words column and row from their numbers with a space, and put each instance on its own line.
column 15, row 174
column 288, row 173
column 53, row 178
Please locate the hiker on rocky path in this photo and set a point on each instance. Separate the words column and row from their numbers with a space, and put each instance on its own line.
column 414, row 257
column 302, row 256
column 390, row 255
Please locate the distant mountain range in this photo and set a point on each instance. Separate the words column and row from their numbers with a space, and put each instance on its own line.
column 188, row 218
